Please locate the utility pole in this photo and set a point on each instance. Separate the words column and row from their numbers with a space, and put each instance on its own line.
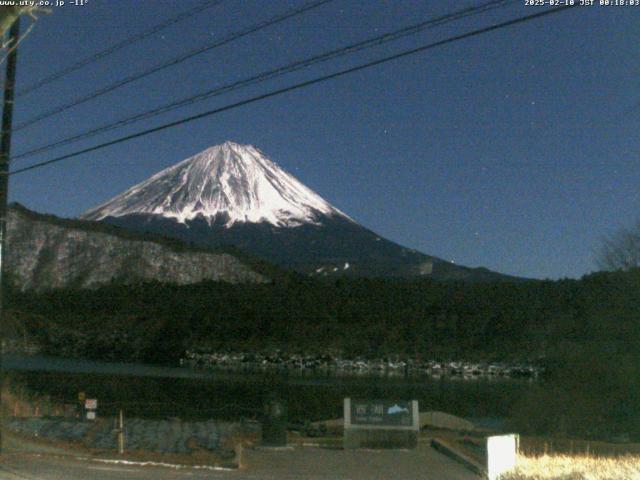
column 5, row 152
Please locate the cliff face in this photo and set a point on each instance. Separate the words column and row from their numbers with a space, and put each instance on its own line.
column 45, row 252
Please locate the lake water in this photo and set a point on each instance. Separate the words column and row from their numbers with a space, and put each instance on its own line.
column 158, row 392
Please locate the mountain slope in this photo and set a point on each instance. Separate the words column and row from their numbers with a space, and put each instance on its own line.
column 233, row 194
column 46, row 252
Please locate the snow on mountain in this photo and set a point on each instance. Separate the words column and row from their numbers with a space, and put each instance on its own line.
column 237, row 183
column 233, row 194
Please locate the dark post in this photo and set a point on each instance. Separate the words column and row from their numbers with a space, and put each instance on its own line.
column 274, row 422
column 5, row 152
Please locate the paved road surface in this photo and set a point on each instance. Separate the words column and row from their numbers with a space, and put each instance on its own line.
column 308, row 463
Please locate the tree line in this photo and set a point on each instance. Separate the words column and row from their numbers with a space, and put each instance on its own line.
column 355, row 317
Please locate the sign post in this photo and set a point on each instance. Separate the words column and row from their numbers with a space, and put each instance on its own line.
column 381, row 423
column 90, row 406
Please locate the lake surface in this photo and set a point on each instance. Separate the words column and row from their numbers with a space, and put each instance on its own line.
column 150, row 391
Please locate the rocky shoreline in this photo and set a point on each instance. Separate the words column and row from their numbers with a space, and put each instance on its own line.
column 330, row 364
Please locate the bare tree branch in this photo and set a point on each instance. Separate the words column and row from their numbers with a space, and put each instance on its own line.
column 620, row 251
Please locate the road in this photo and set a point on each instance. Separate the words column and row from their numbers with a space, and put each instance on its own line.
column 309, row 463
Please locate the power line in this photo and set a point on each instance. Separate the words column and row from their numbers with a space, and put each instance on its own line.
column 175, row 61
column 273, row 73
column 298, row 86
column 118, row 46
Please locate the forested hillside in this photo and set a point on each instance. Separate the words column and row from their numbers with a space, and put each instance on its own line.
column 157, row 322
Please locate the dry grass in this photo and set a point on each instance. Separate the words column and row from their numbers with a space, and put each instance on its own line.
column 576, row 467
column 535, row 446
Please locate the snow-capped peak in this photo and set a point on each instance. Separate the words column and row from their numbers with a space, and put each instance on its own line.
column 235, row 181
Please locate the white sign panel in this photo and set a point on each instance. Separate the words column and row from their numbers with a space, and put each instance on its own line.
column 502, row 451
column 91, row 404
column 91, row 415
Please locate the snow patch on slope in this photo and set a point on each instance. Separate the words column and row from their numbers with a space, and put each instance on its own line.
column 231, row 181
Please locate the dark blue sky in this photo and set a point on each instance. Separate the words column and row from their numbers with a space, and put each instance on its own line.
column 517, row 150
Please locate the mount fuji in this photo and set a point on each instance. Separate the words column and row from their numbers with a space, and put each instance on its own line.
column 232, row 194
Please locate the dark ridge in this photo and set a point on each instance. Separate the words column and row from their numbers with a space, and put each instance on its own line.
column 332, row 243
